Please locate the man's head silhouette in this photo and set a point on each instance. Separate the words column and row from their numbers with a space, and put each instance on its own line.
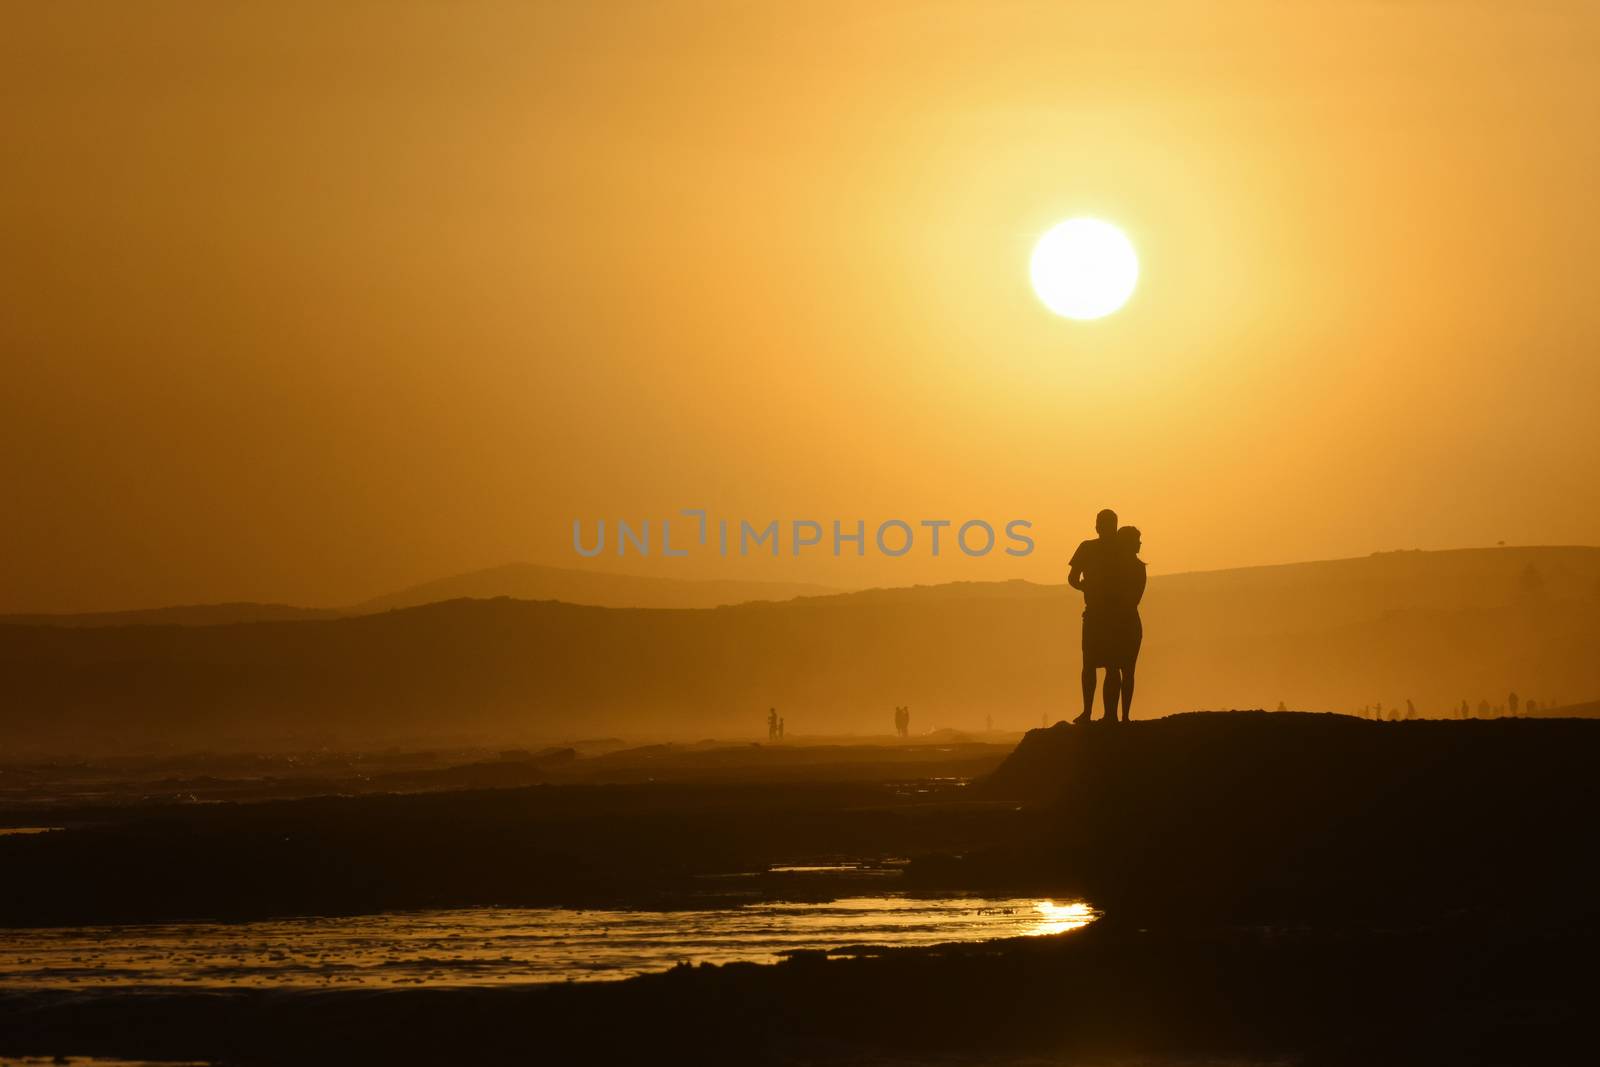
column 1105, row 523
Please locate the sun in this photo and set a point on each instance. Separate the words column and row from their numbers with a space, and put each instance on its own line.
column 1084, row 268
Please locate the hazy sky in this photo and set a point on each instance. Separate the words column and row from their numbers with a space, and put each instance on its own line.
column 304, row 302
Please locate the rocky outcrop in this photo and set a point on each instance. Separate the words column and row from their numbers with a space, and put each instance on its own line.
column 1279, row 814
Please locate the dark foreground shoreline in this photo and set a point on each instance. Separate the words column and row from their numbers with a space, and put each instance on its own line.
column 1277, row 888
column 1470, row 990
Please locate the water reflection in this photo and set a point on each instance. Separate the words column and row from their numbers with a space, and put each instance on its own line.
column 1059, row 918
column 489, row 946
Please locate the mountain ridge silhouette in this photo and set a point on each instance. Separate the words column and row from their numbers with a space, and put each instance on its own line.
column 525, row 581
column 527, row 672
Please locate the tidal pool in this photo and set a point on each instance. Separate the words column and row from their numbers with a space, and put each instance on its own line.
column 492, row 946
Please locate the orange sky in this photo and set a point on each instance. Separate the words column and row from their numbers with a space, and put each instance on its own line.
column 311, row 301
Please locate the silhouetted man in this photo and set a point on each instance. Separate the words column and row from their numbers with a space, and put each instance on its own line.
column 1089, row 573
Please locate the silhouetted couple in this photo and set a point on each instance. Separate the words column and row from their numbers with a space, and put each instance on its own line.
column 1111, row 576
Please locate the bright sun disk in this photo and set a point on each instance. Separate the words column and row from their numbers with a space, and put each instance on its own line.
column 1084, row 268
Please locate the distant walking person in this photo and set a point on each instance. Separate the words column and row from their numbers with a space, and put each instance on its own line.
column 772, row 724
column 902, row 721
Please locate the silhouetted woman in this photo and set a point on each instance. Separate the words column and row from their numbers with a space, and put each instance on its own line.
column 1128, row 577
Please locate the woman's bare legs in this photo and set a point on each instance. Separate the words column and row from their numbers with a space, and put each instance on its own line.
column 1127, row 689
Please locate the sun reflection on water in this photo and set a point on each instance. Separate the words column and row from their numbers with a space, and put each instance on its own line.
column 490, row 946
column 1059, row 918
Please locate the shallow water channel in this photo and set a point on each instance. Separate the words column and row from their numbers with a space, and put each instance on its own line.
column 490, row 946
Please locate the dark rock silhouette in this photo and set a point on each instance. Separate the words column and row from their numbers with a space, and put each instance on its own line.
column 1280, row 814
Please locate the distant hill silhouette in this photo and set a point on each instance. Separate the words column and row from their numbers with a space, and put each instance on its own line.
column 180, row 615
column 1588, row 710
column 523, row 581
column 530, row 581
column 1435, row 628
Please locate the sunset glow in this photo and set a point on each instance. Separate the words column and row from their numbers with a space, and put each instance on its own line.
column 855, row 533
